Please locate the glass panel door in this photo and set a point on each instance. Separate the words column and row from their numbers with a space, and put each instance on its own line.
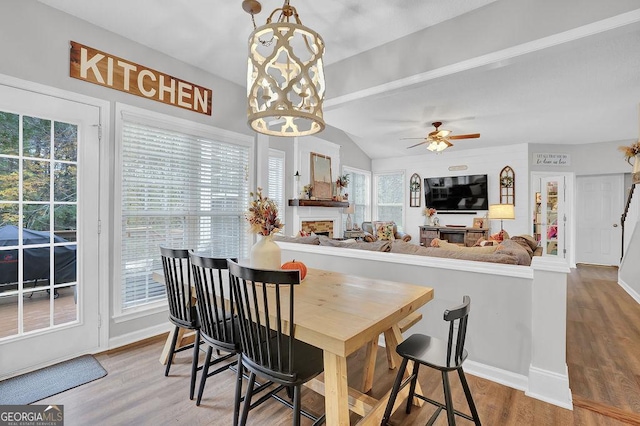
column 552, row 216
column 49, row 156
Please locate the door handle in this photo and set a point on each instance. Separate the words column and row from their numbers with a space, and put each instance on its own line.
column 615, row 225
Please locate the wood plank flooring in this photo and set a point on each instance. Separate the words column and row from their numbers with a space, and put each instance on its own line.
column 603, row 349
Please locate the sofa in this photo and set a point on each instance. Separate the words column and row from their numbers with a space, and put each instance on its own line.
column 517, row 250
column 371, row 232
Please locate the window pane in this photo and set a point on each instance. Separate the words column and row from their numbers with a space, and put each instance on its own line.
column 36, row 218
column 178, row 191
column 390, row 189
column 9, row 179
column 65, row 182
column 359, row 190
column 9, row 133
column 389, row 198
column 35, row 180
column 8, row 214
column 277, row 181
column 9, row 314
column 36, row 137
column 65, row 220
column 65, row 141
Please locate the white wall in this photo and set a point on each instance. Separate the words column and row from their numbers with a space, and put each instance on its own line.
column 488, row 161
column 516, row 333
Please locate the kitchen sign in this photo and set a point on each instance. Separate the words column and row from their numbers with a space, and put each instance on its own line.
column 101, row 68
column 551, row 159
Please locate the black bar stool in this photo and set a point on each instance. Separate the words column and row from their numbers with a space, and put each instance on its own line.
column 444, row 356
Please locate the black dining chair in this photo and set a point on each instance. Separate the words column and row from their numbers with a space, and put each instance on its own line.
column 265, row 306
column 218, row 327
column 441, row 355
column 182, row 309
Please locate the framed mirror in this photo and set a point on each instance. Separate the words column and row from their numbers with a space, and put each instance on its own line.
column 507, row 186
column 321, row 176
column 415, row 186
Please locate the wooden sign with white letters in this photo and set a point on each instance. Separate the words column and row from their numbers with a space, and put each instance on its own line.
column 101, row 68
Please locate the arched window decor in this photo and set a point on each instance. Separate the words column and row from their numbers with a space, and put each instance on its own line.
column 507, row 186
column 414, row 190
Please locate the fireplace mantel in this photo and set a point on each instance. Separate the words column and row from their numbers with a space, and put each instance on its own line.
column 318, row 203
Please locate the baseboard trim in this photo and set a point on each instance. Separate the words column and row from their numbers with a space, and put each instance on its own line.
column 498, row 375
column 628, row 289
column 136, row 336
column 549, row 386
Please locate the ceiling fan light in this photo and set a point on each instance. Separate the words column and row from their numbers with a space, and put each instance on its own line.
column 285, row 79
column 438, row 146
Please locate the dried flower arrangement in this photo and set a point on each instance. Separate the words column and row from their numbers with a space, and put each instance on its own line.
column 263, row 215
column 429, row 211
column 630, row 151
column 342, row 181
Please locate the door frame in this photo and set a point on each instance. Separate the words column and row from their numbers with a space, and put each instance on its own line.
column 569, row 206
column 102, row 275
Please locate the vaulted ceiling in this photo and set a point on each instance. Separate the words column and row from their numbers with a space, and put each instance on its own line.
column 516, row 71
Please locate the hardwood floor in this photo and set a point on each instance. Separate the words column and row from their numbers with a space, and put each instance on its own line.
column 604, row 368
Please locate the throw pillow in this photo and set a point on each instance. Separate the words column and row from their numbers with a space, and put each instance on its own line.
column 523, row 243
column 368, row 237
column 500, row 236
column 384, row 231
column 530, row 240
column 514, row 249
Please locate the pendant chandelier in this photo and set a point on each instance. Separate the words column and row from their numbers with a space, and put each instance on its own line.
column 285, row 75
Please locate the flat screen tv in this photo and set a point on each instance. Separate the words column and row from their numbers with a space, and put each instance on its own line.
column 456, row 193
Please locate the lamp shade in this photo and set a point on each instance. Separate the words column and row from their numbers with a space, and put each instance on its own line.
column 285, row 80
column 501, row 211
column 351, row 209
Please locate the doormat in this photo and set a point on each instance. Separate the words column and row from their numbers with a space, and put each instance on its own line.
column 36, row 385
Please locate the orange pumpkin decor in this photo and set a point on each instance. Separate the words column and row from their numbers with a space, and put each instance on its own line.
column 296, row 265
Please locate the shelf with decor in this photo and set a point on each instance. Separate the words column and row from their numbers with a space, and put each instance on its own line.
column 318, row 203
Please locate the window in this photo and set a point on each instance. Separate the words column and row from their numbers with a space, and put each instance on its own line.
column 389, row 188
column 276, row 181
column 359, row 191
column 183, row 186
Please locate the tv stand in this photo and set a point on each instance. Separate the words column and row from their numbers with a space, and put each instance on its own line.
column 463, row 236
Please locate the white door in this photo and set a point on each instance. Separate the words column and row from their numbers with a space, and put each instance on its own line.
column 600, row 205
column 49, row 163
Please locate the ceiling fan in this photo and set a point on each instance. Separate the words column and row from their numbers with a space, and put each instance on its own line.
column 438, row 140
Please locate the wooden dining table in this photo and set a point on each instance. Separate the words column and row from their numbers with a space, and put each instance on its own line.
column 341, row 313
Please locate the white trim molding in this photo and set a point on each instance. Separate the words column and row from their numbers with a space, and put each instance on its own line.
column 549, row 386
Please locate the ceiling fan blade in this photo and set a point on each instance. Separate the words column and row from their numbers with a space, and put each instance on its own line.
column 404, row 139
column 469, row 136
column 413, row 146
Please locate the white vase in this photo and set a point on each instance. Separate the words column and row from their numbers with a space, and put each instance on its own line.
column 636, row 169
column 265, row 254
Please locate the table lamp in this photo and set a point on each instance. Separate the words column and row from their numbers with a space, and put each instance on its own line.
column 501, row 211
column 349, row 211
